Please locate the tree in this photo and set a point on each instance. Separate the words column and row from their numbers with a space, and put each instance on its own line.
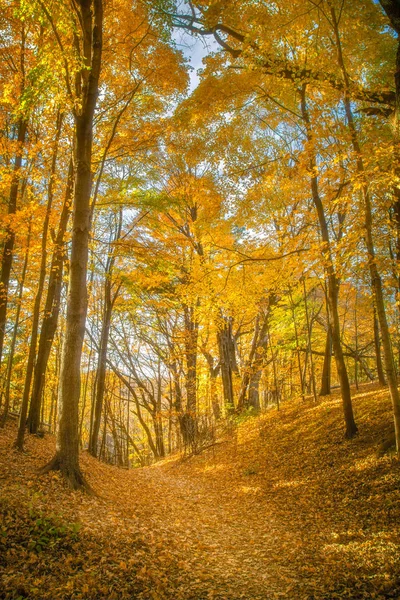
column 88, row 16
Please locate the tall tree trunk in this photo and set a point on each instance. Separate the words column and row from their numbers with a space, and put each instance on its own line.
column 378, row 355
column 296, row 338
column 39, row 292
column 260, row 358
column 15, row 330
column 114, row 433
column 188, row 421
column 249, row 395
column 213, row 371
column 392, row 9
column 191, row 342
column 66, row 459
column 105, row 334
column 8, row 249
column 157, row 417
column 369, row 241
column 51, row 309
column 326, row 368
column 246, row 372
column 333, row 285
column 309, row 341
column 227, row 359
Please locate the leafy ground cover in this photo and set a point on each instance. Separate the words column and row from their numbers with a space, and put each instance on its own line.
column 283, row 507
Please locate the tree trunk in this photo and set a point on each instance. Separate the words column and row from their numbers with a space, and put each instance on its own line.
column 15, row 331
column 157, row 418
column 67, row 448
column 326, row 369
column 213, row 374
column 227, row 359
column 373, row 269
column 51, row 309
column 249, row 395
column 378, row 355
column 351, row 427
column 10, row 232
column 191, row 341
column 309, row 341
column 296, row 339
column 392, row 10
column 105, row 334
column 188, row 421
column 243, row 401
column 39, row 292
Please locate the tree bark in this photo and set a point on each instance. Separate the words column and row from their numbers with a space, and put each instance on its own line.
column 109, row 300
column 227, row 359
column 15, row 331
column 326, row 369
column 213, row 371
column 8, row 249
column 51, row 309
column 249, row 395
column 188, row 421
column 333, row 285
column 39, row 292
column 378, row 354
column 66, row 459
column 369, row 241
column 309, row 341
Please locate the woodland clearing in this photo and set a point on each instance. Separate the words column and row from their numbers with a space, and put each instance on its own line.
column 281, row 507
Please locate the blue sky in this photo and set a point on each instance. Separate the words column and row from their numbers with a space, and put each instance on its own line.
column 194, row 49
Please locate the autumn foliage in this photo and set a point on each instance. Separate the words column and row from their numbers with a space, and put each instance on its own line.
column 183, row 251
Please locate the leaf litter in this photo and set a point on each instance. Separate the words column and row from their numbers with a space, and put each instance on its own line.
column 284, row 508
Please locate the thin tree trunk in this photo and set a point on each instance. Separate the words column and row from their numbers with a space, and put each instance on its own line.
column 158, row 422
column 105, row 334
column 39, row 292
column 51, row 309
column 213, row 374
column 15, row 330
column 85, row 394
column 356, row 341
column 8, row 249
column 114, row 433
column 373, row 269
column 296, row 338
column 326, row 369
column 351, row 427
column 188, row 421
column 274, row 371
column 246, row 372
column 378, row 355
column 309, row 344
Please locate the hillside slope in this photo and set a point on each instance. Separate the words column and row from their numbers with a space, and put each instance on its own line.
column 282, row 508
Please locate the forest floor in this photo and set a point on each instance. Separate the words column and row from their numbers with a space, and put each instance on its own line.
column 283, row 508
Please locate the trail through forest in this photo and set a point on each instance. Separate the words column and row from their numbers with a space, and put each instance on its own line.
column 282, row 507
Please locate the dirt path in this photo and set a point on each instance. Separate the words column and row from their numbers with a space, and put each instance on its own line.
column 227, row 538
